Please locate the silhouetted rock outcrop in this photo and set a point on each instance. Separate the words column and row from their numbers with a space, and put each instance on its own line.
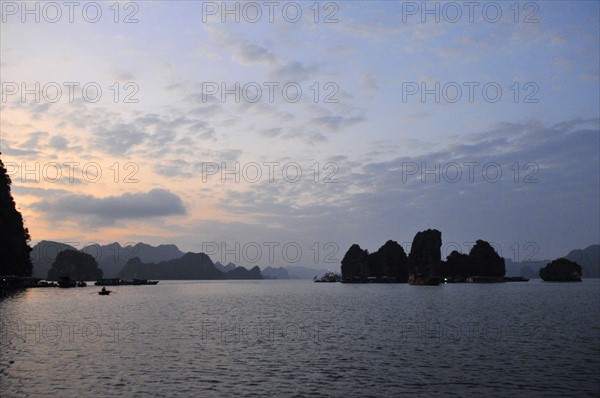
column 355, row 265
column 425, row 253
column 482, row 260
column 457, row 266
column 43, row 256
column 561, row 270
column 75, row 265
column 14, row 237
column 389, row 263
column 486, row 261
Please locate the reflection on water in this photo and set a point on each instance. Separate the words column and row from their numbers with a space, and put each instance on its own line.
column 302, row 338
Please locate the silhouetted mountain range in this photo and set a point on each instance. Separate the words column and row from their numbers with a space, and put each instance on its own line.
column 111, row 258
column 190, row 266
column 225, row 268
column 588, row 258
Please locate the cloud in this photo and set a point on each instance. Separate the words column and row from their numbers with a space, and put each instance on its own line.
column 119, row 139
column 336, row 122
column 122, row 75
column 108, row 210
column 34, row 139
column 272, row 132
column 368, row 84
column 174, row 168
column 541, row 165
column 294, row 71
column 6, row 149
column 59, row 143
column 249, row 53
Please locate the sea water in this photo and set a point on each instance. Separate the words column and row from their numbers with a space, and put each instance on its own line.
column 299, row 338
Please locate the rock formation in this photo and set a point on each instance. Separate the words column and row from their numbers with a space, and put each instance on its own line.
column 561, row 270
column 486, row 261
column 389, row 263
column 355, row 265
column 75, row 265
column 425, row 253
column 14, row 237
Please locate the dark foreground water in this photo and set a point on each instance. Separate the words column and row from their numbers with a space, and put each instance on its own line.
column 298, row 338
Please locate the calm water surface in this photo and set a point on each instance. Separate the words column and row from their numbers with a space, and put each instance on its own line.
column 298, row 338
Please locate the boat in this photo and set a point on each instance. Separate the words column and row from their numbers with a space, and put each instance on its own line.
column 45, row 284
column 328, row 277
column 142, row 282
column 515, row 279
column 104, row 292
column 81, row 284
column 423, row 280
column 485, row 279
column 108, row 282
column 66, row 282
column 121, row 282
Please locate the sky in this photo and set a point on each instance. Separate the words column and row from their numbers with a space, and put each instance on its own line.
column 280, row 133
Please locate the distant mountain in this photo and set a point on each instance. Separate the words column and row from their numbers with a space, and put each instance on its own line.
column 190, row 266
column 43, row 255
column 113, row 257
column 528, row 269
column 195, row 266
column 225, row 268
column 589, row 259
column 243, row 273
column 275, row 273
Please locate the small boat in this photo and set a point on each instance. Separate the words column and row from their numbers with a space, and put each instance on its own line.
column 137, row 282
column 423, row 280
column 515, row 279
column 104, row 292
column 108, row 282
column 66, row 282
column 46, row 284
column 328, row 277
column 485, row 279
column 121, row 282
column 81, row 284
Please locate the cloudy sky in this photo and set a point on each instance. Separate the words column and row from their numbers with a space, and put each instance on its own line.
column 280, row 134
